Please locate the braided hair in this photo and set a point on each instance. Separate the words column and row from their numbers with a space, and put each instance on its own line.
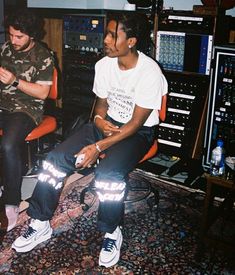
column 136, row 25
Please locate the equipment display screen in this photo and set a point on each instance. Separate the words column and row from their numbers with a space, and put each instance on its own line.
column 179, row 51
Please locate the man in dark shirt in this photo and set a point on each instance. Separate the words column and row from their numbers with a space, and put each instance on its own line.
column 26, row 68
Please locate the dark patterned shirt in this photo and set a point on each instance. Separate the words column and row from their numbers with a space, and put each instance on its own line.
column 35, row 66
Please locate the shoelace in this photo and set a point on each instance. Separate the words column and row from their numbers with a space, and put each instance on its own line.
column 109, row 244
column 29, row 232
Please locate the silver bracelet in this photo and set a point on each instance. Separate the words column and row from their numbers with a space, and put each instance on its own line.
column 97, row 116
column 98, row 148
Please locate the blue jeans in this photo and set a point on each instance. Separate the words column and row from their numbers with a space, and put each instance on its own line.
column 120, row 159
column 16, row 126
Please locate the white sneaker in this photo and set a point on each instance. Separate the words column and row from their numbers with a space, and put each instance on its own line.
column 110, row 252
column 9, row 217
column 37, row 232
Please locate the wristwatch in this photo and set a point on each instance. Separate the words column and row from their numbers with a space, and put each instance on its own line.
column 15, row 83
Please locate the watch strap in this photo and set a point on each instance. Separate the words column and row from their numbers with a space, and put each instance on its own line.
column 15, row 83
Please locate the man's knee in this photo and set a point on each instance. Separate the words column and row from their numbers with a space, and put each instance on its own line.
column 58, row 164
column 108, row 175
column 56, row 157
column 53, row 155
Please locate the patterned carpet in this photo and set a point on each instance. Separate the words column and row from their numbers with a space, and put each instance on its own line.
column 161, row 241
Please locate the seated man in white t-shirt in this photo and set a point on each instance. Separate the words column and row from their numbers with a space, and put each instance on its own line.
column 129, row 86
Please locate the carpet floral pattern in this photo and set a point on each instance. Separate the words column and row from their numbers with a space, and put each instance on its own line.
column 161, row 241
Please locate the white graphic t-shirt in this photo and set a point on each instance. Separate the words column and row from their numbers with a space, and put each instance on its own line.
column 143, row 85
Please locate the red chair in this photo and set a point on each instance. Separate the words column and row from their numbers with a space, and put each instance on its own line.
column 48, row 124
column 144, row 189
column 162, row 116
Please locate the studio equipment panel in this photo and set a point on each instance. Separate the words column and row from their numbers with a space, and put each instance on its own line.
column 82, row 47
column 184, row 44
column 220, row 122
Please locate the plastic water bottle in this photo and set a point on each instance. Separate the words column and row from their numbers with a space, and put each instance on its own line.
column 217, row 165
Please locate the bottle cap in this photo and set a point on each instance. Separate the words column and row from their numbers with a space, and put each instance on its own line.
column 220, row 143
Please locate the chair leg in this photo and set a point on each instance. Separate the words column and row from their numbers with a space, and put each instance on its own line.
column 91, row 189
column 144, row 186
column 30, row 159
column 34, row 163
column 29, row 155
column 156, row 197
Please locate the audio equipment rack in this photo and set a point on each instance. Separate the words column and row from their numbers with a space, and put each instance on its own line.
column 82, row 48
column 184, row 45
column 220, row 121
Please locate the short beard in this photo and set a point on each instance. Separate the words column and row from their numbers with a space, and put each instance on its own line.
column 25, row 46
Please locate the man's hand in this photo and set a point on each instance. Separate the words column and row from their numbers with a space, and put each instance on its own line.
column 107, row 127
column 90, row 155
column 6, row 77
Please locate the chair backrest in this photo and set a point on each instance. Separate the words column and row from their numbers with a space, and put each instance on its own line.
column 162, row 112
column 54, row 87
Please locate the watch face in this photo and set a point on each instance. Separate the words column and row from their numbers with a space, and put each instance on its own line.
column 15, row 83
